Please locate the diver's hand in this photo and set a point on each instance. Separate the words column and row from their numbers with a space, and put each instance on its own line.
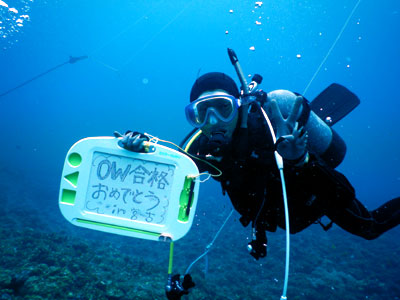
column 291, row 140
column 133, row 141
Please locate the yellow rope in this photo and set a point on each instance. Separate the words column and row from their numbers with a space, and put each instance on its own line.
column 171, row 257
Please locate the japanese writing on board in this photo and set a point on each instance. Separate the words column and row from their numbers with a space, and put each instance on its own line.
column 129, row 188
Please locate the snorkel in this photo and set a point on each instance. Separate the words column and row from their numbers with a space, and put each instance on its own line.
column 248, row 97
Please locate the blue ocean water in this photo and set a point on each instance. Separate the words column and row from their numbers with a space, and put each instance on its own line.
column 143, row 57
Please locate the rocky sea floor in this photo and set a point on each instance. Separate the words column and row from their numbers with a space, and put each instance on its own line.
column 42, row 256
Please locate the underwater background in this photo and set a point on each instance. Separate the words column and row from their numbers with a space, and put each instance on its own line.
column 143, row 57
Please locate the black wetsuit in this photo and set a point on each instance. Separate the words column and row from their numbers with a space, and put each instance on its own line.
column 251, row 179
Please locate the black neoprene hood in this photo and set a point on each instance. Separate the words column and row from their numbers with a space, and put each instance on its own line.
column 213, row 81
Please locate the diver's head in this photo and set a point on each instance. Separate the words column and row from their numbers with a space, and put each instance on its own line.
column 214, row 107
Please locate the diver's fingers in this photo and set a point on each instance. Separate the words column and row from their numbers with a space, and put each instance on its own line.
column 275, row 114
column 303, row 137
column 302, row 131
column 136, row 140
column 302, row 141
column 295, row 110
column 117, row 134
column 295, row 130
column 136, row 143
column 298, row 132
column 130, row 139
column 288, row 137
column 296, row 126
column 125, row 139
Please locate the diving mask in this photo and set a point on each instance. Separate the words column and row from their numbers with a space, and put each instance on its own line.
column 223, row 107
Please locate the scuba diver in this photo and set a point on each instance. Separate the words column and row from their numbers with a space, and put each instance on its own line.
column 234, row 144
column 235, row 138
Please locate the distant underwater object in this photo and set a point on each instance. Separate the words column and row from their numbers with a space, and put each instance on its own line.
column 71, row 60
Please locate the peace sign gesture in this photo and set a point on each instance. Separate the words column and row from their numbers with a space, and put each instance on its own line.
column 291, row 140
